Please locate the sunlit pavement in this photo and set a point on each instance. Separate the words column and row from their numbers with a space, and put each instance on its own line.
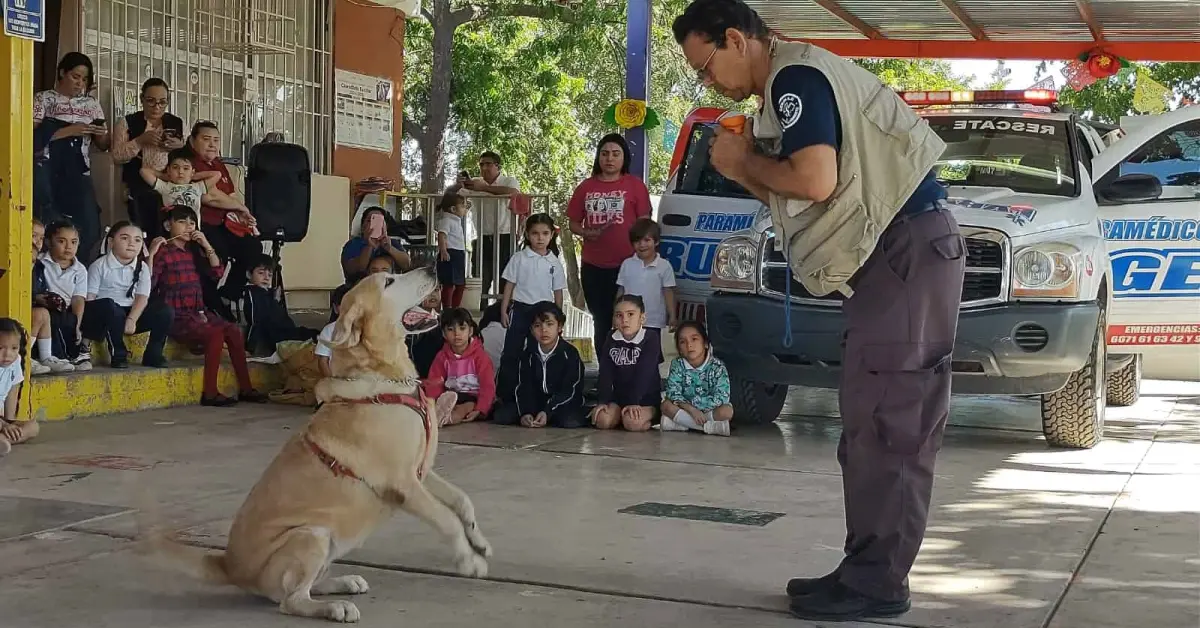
column 1021, row 536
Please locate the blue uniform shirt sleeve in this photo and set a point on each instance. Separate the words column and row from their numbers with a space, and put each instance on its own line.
column 807, row 110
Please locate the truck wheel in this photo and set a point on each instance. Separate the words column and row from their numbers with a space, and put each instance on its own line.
column 1124, row 386
column 1073, row 417
column 756, row 403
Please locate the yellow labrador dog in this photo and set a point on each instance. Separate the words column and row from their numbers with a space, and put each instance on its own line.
column 368, row 450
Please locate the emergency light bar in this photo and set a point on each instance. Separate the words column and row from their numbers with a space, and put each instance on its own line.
column 1000, row 96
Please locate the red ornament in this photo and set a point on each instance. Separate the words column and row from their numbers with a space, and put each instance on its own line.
column 1103, row 65
column 1077, row 75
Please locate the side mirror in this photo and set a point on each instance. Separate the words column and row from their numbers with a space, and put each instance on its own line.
column 1133, row 188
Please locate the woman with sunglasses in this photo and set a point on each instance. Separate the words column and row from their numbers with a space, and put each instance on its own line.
column 143, row 139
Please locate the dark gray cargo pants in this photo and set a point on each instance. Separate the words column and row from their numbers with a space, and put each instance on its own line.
column 895, row 395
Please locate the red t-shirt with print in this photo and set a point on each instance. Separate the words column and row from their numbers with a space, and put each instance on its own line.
column 617, row 204
column 210, row 215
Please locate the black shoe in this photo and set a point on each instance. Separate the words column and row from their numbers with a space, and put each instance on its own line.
column 154, row 361
column 841, row 603
column 217, row 401
column 253, row 396
column 119, row 363
column 807, row 586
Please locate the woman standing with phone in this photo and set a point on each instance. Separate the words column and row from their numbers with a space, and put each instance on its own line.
column 370, row 240
column 143, row 139
column 67, row 122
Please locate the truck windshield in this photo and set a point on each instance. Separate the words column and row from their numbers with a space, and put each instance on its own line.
column 1024, row 154
column 697, row 176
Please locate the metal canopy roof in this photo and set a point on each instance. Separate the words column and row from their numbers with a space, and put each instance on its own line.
column 1142, row 30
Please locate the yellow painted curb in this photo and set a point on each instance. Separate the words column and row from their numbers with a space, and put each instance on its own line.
column 105, row 391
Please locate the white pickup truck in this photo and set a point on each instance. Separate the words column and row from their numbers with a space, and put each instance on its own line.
column 1082, row 256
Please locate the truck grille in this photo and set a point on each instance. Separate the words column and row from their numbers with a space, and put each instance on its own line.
column 983, row 283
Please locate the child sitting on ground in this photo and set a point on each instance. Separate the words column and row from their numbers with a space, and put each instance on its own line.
column 12, row 356
column 649, row 276
column 629, row 389
column 118, row 299
column 492, row 331
column 60, row 287
column 423, row 338
column 265, row 316
column 176, row 265
column 550, row 389
column 697, row 395
column 322, row 350
column 463, row 367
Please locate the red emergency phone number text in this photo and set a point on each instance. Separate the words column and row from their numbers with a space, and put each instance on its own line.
column 1184, row 334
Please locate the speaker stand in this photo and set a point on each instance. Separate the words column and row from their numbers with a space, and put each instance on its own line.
column 277, row 280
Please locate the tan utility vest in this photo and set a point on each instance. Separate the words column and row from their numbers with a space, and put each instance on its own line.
column 886, row 152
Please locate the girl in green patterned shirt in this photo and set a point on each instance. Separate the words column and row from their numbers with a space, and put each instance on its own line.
column 698, row 386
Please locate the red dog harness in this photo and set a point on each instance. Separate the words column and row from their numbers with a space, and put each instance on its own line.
column 418, row 402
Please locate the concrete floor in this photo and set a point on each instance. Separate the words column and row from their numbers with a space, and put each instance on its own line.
column 1021, row 536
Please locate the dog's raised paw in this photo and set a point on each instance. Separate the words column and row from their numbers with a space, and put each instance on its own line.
column 473, row 566
column 342, row 611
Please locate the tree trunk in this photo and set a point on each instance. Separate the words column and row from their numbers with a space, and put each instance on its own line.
column 437, row 114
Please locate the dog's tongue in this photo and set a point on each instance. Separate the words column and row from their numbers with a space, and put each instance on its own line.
column 417, row 318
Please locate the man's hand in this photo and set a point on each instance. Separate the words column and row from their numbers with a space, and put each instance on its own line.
column 540, row 420
column 130, row 327
column 728, row 153
column 470, row 184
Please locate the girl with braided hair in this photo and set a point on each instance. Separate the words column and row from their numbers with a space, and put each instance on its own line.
column 118, row 298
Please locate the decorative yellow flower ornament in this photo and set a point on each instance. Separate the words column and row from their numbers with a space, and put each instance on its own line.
column 630, row 113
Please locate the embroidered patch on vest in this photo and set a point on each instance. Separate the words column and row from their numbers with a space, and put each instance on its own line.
column 790, row 108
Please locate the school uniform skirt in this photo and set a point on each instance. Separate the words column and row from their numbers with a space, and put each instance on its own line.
column 453, row 272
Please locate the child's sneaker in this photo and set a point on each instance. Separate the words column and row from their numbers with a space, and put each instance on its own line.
column 669, row 425
column 58, row 365
column 83, row 361
column 37, row 368
column 718, row 428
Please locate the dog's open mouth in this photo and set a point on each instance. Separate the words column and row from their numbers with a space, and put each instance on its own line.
column 418, row 320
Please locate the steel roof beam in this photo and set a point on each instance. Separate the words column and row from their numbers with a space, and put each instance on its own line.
column 966, row 21
column 838, row 11
column 1089, row 18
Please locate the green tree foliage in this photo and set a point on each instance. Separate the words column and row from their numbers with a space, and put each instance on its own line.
column 1109, row 99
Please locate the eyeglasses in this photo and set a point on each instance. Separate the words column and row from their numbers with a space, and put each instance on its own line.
column 702, row 74
column 156, row 102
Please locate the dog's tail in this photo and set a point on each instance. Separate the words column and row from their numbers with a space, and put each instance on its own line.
column 197, row 562
column 162, row 547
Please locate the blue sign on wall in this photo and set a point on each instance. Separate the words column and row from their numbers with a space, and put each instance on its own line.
column 25, row 19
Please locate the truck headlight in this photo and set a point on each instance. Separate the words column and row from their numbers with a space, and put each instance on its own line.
column 735, row 263
column 1046, row 271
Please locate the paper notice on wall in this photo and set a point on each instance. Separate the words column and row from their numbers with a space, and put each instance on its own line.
column 363, row 116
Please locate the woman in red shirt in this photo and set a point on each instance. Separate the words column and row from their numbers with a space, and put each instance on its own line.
column 205, row 142
column 602, row 210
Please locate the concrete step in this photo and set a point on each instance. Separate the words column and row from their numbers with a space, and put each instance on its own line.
column 104, row 390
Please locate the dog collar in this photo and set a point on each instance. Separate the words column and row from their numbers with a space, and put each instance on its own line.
column 418, row 402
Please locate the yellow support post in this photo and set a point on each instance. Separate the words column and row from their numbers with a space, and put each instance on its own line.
column 16, row 186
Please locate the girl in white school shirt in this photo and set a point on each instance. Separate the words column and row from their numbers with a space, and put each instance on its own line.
column 534, row 274
column 60, row 286
column 118, row 299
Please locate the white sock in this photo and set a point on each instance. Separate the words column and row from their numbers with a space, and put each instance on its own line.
column 685, row 420
column 45, row 348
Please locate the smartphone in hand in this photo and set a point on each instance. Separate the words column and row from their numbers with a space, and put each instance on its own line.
column 376, row 227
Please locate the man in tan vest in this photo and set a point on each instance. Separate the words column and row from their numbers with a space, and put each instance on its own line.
column 847, row 171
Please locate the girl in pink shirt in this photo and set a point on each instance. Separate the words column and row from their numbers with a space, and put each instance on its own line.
column 462, row 366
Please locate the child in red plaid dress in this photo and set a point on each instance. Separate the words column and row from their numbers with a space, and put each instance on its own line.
column 177, row 262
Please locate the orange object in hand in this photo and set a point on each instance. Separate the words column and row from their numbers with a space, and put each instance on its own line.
column 735, row 123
